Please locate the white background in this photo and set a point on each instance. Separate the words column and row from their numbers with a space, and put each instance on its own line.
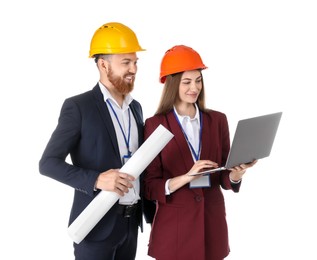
column 262, row 58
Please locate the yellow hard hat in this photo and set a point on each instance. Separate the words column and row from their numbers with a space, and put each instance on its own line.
column 114, row 38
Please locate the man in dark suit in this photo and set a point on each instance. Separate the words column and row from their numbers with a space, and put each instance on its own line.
column 100, row 130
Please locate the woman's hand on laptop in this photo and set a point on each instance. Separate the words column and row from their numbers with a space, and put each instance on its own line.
column 237, row 172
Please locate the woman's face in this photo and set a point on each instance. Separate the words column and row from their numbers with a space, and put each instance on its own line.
column 190, row 86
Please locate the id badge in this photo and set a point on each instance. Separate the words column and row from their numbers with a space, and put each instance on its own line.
column 201, row 182
column 126, row 158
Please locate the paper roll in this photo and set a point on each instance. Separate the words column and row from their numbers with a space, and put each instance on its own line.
column 101, row 204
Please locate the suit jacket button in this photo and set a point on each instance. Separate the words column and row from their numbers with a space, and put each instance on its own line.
column 198, row 198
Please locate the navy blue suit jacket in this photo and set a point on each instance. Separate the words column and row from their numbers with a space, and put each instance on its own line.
column 85, row 132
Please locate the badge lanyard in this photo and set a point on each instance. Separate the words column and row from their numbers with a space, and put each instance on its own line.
column 126, row 139
column 196, row 155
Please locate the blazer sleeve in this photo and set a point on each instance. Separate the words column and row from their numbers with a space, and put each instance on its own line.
column 63, row 140
column 154, row 180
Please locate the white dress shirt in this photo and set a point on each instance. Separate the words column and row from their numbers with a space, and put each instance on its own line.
column 191, row 127
column 122, row 113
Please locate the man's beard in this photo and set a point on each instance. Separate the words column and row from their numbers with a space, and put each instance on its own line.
column 119, row 83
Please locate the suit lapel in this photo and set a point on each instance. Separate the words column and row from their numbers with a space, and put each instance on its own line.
column 180, row 139
column 137, row 113
column 205, row 139
column 105, row 115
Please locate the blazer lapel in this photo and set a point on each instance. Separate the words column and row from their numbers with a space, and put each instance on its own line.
column 205, row 139
column 180, row 140
column 105, row 115
column 137, row 113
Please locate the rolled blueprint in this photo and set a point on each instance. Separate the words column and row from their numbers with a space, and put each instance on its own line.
column 102, row 203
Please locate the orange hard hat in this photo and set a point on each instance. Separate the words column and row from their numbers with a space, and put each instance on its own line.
column 178, row 59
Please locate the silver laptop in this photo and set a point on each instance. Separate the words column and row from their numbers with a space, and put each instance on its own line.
column 252, row 140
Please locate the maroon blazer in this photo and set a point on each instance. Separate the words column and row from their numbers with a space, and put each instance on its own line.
column 191, row 222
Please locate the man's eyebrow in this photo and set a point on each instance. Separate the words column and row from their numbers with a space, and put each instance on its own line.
column 129, row 59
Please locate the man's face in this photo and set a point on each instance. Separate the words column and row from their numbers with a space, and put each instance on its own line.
column 122, row 70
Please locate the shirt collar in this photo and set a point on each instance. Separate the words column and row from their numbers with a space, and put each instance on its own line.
column 196, row 117
column 106, row 95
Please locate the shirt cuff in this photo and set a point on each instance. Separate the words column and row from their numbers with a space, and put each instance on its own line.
column 234, row 182
column 167, row 190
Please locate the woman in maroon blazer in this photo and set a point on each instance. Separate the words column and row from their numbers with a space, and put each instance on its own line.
column 190, row 220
